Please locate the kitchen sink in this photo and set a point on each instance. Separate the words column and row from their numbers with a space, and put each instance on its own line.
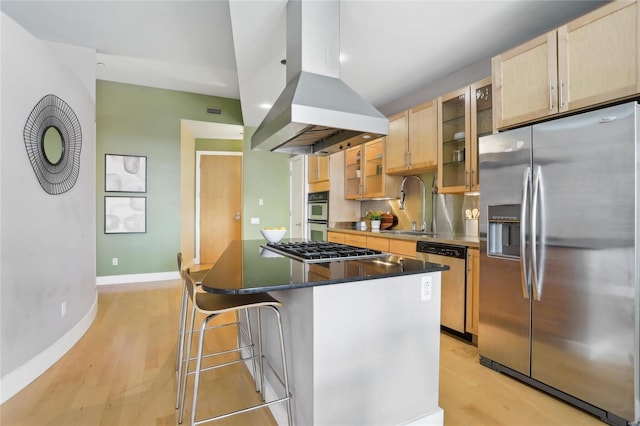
column 407, row 232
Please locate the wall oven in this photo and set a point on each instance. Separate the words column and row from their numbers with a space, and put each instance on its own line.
column 318, row 215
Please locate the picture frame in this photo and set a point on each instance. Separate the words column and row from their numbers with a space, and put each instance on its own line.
column 125, row 173
column 125, row 215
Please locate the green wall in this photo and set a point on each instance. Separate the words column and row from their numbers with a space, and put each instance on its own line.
column 231, row 145
column 140, row 120
column 266, row 177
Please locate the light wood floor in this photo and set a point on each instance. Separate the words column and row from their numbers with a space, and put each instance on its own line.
column 122, row 373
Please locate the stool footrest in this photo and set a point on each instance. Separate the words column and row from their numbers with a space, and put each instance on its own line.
column 244, row 410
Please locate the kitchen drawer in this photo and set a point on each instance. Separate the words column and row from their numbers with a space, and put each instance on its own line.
column 355, row 240
column 403, row 248
column 378, row 243
column 336, row 237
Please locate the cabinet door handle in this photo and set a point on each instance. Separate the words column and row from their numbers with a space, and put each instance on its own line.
column 561, row 98
column 550, row 97
column 467, row 183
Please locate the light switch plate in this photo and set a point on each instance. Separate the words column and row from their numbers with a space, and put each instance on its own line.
column 255, row 221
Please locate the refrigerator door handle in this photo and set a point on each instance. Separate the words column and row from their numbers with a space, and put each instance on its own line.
column 525, row 280
column 537, row 209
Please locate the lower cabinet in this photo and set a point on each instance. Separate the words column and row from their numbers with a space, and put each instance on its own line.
column 335, row 237
column 403, row 248
column 473, row 289
column 356, row 240
column 378, row 243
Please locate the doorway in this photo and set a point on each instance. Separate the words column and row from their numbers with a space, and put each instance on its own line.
column 218, row 203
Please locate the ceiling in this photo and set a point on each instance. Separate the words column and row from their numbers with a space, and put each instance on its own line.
column 389, row 48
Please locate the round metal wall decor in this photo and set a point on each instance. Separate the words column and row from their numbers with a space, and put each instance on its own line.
column 53, row 139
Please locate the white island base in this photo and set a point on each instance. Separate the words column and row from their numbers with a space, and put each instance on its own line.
column 361, row 353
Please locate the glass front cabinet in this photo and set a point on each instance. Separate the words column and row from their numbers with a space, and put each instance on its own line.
column 364, row 175
column 465, row 115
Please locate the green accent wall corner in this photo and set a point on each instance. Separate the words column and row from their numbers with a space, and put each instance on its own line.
column 137, row 120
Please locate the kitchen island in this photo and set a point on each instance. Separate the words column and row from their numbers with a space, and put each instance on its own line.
column 362, row 335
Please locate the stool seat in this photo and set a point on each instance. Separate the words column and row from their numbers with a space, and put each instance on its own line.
column 221, row 303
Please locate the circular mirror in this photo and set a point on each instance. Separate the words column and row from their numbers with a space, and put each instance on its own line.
column 53, row 140
column 52, row 145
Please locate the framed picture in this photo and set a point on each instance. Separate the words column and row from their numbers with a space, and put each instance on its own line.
column 125, row 173
column 125, row 215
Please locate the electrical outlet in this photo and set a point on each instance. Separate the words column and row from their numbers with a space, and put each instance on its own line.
column 260, row 202
column 63, row 309
column 114, row 261
column 426, row 288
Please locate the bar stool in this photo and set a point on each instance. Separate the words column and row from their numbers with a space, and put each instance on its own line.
column 198, row 276
column 212, row 305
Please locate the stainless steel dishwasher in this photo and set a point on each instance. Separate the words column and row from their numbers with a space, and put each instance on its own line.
column 454, row 282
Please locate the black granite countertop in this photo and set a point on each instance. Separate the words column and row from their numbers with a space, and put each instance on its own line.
column 245, row 267
column 441, row 237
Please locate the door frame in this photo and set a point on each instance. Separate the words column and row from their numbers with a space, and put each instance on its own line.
column 293, row 197
column 199, row 154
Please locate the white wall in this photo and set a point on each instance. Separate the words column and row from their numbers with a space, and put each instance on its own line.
column 47, row 241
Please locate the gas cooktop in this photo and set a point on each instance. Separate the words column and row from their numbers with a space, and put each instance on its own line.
column 322, row 251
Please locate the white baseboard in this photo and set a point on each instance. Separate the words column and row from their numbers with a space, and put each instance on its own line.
column 435, row 418
column 14, row 381
column 137, row 278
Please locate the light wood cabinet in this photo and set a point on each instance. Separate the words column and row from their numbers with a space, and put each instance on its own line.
column 355, row 240
column 403, row 248
column 336, row 237
column 397, row 143
column 473, row 290
column 412, row 143
column 364, row 173
column 318, row 175
column 465, row 115
column 378, row 243
column 590, row 61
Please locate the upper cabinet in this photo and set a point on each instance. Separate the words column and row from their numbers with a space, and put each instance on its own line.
column 590, row 61
column 465, row 115
column 318, row 173
column 412, row 143
column 364, row 172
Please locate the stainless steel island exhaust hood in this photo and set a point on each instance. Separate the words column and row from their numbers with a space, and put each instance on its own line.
column 317, row 113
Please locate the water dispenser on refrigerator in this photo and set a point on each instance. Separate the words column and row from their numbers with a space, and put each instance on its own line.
column 503, row 236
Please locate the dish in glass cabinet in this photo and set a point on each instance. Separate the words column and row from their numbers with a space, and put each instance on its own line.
column 458, row 136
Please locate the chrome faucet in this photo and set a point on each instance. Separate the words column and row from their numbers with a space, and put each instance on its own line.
column 424, row 199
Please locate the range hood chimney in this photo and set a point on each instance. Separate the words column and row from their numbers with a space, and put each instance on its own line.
column 317, row 113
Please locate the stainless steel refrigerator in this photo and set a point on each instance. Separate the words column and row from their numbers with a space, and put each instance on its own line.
column 560, row 258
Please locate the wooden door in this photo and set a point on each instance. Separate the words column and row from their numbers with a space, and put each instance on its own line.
column 397, row 143
column 423, row 136
column 220, row 204
column 525, row 81
column 598, row 56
